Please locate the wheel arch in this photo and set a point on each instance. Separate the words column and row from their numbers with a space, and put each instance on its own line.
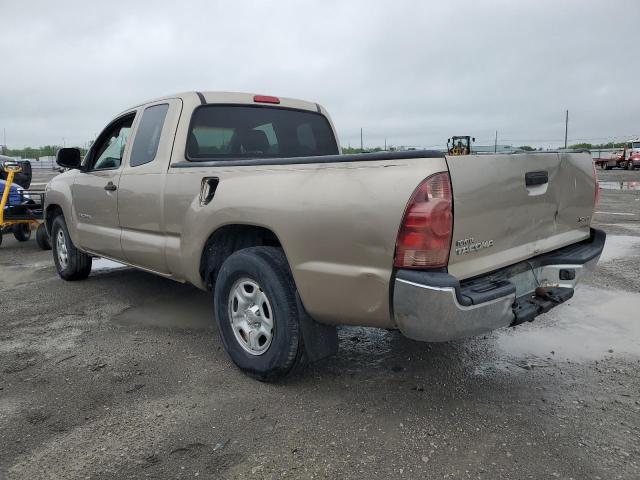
column 52, row 212
column 230, row 238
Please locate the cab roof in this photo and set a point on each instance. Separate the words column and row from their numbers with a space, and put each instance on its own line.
column 245, row 98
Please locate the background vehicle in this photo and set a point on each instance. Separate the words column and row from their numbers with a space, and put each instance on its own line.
column 20, row 209
column 628, row 157
column 460, row 145
column 23, row 177
column 249, row 197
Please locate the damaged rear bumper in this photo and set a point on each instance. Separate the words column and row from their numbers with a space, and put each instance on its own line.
column 436, row 307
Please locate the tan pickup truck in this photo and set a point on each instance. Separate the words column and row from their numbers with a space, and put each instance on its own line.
column 248, row 196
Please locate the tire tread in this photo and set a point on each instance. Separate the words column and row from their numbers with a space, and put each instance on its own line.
column 274, row 259
column 79, row 266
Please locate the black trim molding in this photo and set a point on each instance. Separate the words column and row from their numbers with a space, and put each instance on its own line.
column 355, row 157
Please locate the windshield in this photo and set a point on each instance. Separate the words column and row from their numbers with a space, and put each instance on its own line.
column 240, row 131
column 635, row 145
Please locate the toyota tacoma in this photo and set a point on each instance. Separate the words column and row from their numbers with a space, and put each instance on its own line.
column 249, row 197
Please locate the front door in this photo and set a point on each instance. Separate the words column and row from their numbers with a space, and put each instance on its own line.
column 141, row 189
column 95, row 191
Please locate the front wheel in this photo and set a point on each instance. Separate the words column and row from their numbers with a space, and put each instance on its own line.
column 257, row 314
column 71, row 263
column 22, row 232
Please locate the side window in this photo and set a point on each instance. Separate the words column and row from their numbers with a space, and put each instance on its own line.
column 145, row 144
column 109, row 148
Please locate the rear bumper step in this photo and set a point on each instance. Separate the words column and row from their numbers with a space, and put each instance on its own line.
column 436, row 307
column 528, row 307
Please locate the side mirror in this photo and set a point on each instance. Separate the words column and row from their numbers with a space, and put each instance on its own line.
column 473, row 139
column 69, row 157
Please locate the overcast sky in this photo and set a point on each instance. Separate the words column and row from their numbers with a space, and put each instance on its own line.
column 414, row 72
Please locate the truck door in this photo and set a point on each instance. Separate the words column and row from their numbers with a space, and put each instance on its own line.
column 95, row 190
column 141, row 189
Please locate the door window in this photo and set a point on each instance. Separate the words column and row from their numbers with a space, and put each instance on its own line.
column 108, row 150
column 145, row 144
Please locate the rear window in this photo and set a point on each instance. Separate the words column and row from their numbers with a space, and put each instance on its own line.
column 240, row 131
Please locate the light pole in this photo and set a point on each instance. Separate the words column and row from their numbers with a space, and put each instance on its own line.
column 566, row 129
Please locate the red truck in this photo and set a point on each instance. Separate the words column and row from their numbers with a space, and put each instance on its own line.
column 628, row 157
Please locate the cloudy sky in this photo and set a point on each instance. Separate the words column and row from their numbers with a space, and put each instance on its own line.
column 413, row 72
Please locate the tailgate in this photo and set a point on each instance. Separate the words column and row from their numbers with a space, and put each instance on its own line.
column 500, row 220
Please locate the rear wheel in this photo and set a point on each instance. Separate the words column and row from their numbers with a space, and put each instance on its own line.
column 257, row 314
column 22, row 232
column 71, row 263
column 42, row 237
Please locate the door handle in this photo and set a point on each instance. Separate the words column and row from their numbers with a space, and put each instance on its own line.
column 536, row 178
column 110, row 187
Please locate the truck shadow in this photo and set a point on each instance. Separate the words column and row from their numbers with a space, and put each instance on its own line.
column 593, row 325
column 156, row 302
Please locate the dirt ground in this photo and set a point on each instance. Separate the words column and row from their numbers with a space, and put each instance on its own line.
column 123, row 376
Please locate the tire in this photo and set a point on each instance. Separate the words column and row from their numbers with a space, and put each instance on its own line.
column 42, row 237
column 0, row 238
column 265, row 341
column 22, row 232
column 71, row 263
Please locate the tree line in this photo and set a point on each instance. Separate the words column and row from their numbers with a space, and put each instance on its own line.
column 597, row 146
column 30, row 152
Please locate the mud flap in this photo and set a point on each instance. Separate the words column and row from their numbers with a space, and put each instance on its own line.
column 320, row 340
column 527, row 308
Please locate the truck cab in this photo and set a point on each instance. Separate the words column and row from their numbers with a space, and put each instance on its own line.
column 632, row 154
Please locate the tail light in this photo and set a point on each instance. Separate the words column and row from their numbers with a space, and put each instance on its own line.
column 424, row 239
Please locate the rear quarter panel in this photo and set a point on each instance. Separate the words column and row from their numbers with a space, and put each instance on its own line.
column 337, row 223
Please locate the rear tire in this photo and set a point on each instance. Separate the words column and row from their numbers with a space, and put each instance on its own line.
column 22, row 232
column 42, row 237
column 71, row 263
column 257, row 314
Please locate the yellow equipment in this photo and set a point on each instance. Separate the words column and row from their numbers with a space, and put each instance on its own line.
column 459, row 145
column 20, row 218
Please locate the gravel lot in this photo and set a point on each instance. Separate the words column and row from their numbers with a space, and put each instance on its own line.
column 123, row 376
